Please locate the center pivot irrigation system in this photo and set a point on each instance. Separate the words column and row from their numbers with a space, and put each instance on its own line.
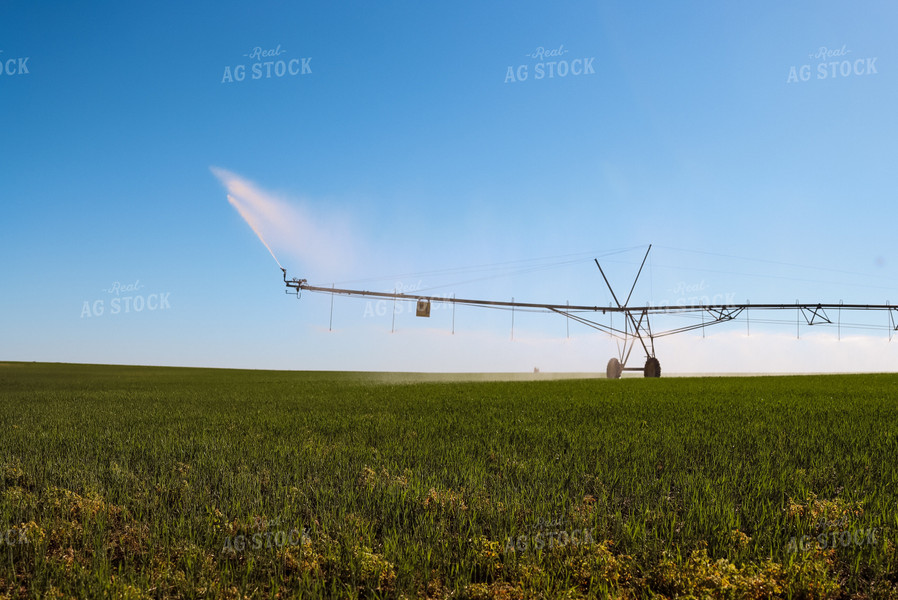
column 636, row 328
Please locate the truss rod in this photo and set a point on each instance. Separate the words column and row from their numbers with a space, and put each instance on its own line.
column 300, row 285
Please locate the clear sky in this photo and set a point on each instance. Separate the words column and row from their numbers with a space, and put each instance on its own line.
column 754, row 144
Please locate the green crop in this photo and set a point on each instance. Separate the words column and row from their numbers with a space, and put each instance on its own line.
column 134, row 482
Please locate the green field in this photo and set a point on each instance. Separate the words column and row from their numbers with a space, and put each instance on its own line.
column 134, row 482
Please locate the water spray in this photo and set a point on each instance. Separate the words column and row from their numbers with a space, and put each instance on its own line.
column 249, row 221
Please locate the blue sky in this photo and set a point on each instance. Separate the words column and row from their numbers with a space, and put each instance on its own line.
column 407, row 150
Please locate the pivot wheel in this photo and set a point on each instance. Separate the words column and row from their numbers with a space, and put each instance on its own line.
column 614, row 369
column 652, row 368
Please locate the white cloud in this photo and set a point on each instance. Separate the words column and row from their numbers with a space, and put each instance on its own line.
column 436, row 350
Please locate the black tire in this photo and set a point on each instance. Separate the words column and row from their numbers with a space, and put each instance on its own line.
column 614, row 369
column 652, row 368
